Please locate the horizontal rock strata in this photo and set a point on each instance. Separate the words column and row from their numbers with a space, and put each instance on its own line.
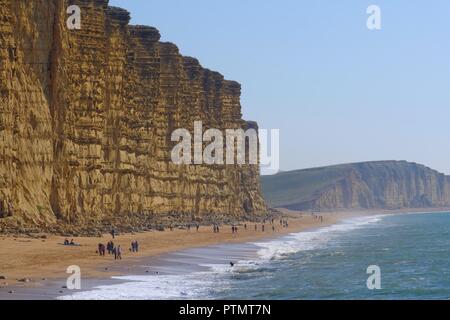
column 86, row 118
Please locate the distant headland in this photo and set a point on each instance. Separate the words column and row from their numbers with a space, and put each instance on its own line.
column 387, row 185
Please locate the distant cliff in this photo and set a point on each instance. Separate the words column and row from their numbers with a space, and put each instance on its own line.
column 86, row 118
column 367, row 185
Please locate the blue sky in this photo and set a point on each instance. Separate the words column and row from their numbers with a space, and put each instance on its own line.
column 337, row 91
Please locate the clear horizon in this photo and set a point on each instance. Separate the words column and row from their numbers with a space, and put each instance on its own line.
column 338, row 92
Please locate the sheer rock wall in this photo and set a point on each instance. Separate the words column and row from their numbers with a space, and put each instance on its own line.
column 86, row 118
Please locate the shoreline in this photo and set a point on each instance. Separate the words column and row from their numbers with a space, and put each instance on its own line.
column 48, row 279
column 44, row 261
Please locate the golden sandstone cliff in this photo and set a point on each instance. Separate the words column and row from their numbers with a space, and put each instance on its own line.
column 86, row 118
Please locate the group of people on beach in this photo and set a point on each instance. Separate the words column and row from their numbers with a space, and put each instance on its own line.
column 189, row 226
column 216, row 229
column 284, row 223
column 263, row 227
column 318, row 218
column 110, row 247
column 235, row 229
column 69, row 243
column 134, row 246
column 114, row 250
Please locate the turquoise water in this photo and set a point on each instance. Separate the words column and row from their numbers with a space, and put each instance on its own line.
column 412, row 251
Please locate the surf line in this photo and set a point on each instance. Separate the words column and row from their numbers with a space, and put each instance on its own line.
column 196, row 311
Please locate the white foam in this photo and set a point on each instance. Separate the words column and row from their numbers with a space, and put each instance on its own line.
column 190, row 286
column 310, row 240
column 202, row 285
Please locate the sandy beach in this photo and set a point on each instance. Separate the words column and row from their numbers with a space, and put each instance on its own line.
column 31, row 263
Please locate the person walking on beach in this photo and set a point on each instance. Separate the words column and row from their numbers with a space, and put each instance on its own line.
column 113, row 233
column 110, row 247
column 134, row 246
column 273, row 228
column 114, row 252
column 101, row 249
column 119, row 253
column 256, row 227
column 263, row 228
column 198, row 227
column 245, row 227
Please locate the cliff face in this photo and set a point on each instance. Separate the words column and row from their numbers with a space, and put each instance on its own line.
column 86, row 118
column 380, row 185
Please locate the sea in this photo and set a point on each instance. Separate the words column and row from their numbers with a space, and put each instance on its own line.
column 407, row 256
